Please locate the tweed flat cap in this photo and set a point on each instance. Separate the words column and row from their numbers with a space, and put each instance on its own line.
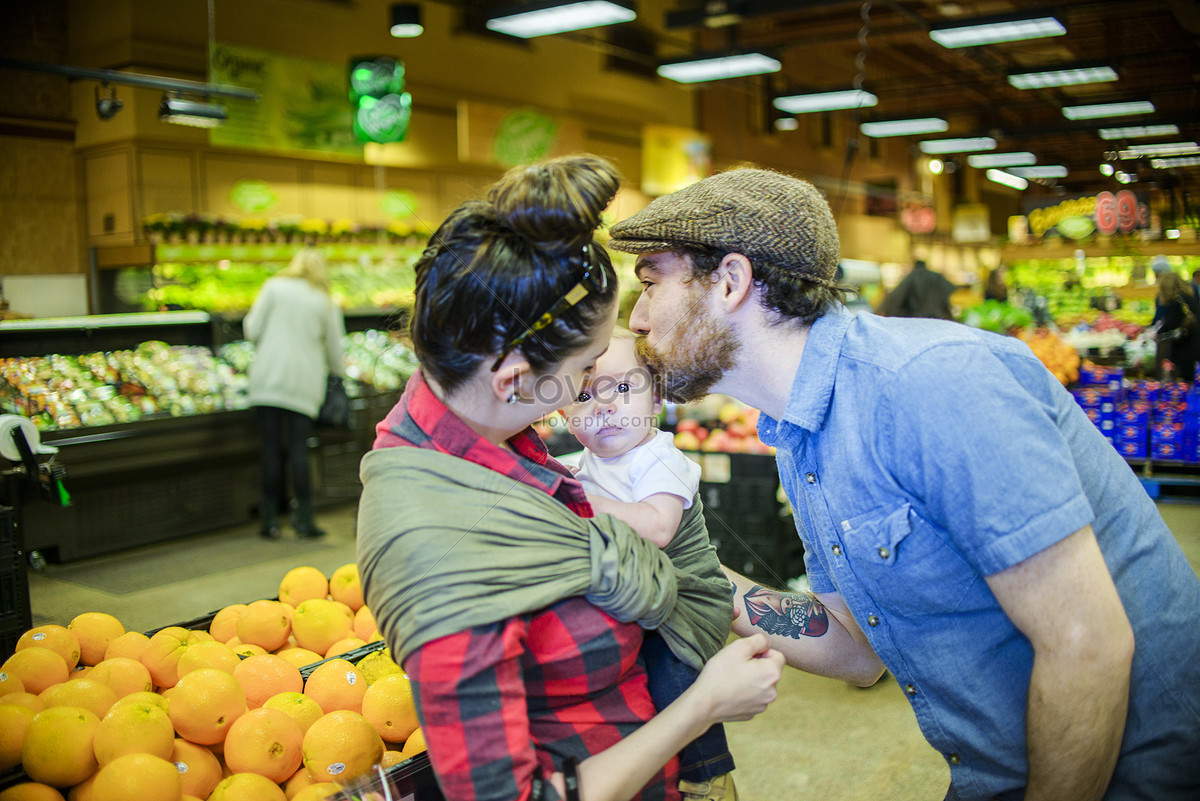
column 761, row 214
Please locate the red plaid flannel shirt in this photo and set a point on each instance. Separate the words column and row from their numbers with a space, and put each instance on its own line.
column 501, row 701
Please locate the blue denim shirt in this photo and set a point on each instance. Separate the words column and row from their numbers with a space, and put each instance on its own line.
column 921, row 456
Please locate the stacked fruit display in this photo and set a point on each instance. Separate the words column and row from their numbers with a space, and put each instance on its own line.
column 719, row 425
column 1060, row 358
column 265, row 705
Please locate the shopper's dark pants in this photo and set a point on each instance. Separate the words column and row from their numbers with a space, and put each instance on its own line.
column 285, row 437
column 706, row 757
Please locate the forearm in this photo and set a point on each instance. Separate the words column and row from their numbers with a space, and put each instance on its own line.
column 645, row 519
column 812, row 636
column 1076, row 716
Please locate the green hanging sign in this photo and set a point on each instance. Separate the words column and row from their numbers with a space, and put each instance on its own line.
column 252, row 196
column 524, row 136
column 382, row 109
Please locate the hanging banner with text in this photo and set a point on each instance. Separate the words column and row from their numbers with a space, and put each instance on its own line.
column 1106, row 214
column 302, row 103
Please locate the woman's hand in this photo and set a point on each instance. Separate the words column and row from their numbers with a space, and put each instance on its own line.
column 739, row 681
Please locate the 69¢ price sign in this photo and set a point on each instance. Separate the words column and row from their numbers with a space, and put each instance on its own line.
column 1120, row 212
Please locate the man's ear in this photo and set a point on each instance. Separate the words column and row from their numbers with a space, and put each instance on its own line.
column 507, row 381
column 735, row 282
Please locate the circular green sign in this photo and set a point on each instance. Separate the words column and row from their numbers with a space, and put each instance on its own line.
column 523, row 136
column 252, row 196
column 399, row 204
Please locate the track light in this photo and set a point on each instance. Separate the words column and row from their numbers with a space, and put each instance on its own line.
column 198, row 114
column 546, row 18
column 406, row 20
column 108, row 106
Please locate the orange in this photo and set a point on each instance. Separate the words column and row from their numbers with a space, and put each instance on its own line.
column 30, row 791
column 318, row 623
column 264, row 623
column 244, row 649
column 391, row 757
column 344, row 586
column 266, row 742
column 299, row 781
column 223, row 627
column 13, row 722
column 144, row 697
column 27, row 700
column 123, row 675
column 344, row 645
column 265, row 675
column 205, row 704
column 37, row 668
column 302, row 709
column 364, row 623
column 10, row 683
column 302, row 583
column 414, row 745
column 388, row 705
column 134, row 728
column 58, row 639
column 57, row 749
column 336, row 684
column 163, row 652
column 210, row 654
column 300, row 657
column 199, row 769
column 95, row 696
column 376, row 665
column 95, row 631
column 340, row 746
column 130, row 644
column 316, row 792
column 137, row 777
column 247, row 787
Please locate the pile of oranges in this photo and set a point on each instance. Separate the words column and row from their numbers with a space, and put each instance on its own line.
column 93, row 712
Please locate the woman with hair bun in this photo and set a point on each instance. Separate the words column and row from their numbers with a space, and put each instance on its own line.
column 516, row 613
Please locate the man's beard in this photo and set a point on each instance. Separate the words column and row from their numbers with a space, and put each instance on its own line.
column 705, row 348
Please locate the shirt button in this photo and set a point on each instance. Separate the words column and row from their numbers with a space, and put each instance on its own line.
column 884, row 553
column 953, row 759
column 837, row 549
column 911, row 690
column 811, row 478
column 872, row 620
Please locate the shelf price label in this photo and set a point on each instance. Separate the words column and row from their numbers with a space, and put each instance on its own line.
column 1121, row 212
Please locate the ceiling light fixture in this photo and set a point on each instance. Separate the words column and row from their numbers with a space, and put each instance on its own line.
column 545, row 18
column 1139, row 131
column 1106, row 169
column 1126, row 178
column 787, row 124
column 1065, row 76
column 107, row 106
column 1099, row 110
column 406, row 20
column 1020, row 159
column 1163, row 150
column 965, row 145
column 825, row 101
column 1002, row 177
column 198, row 114
column 715, row 68
column 922, row 125
column 1178, row 161
column 991, row 30
column 1041, row 171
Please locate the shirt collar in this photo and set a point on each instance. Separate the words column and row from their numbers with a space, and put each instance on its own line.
column 812, row 388
column 421, row 420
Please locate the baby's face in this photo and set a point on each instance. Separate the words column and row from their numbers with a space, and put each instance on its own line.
column 616, row 410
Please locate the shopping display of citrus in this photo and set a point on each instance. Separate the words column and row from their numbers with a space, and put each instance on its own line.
column 301, row 584
column 91, row 711
column 1060, row 358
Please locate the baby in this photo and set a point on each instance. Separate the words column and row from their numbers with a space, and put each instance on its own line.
column 634, row 472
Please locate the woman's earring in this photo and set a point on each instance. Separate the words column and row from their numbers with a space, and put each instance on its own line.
column 512, row 399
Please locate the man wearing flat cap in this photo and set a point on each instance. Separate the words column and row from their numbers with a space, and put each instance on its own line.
column 965, row 525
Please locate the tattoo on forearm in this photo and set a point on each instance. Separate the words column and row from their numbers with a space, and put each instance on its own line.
column 788, row 614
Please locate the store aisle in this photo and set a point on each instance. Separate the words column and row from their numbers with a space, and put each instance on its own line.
column 822, row 739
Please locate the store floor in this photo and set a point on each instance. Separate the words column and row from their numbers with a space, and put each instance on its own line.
column 822, row 739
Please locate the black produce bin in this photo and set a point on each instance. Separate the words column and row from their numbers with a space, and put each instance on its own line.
column 15, row 614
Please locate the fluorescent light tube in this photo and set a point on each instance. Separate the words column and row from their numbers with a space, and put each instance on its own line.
column 825, row 101
column 1179, row 161
column 1001, row 177
column 966, row 145
column 1171, row 149
column 1002, row 159
column 922, row 125
column 1041, row 171
column 787, row 124
column 981, row 32
column 718, row 67
column 1073, row 76
column 1099, row 110
column 1139, row 131
column 560, row 18
column 191, row 112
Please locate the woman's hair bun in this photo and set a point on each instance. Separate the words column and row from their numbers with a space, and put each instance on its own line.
column 556, row 204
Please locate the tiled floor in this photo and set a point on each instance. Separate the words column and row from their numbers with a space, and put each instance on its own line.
column 822, row 739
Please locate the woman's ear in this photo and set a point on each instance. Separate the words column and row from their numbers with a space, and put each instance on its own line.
column 506, row 382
